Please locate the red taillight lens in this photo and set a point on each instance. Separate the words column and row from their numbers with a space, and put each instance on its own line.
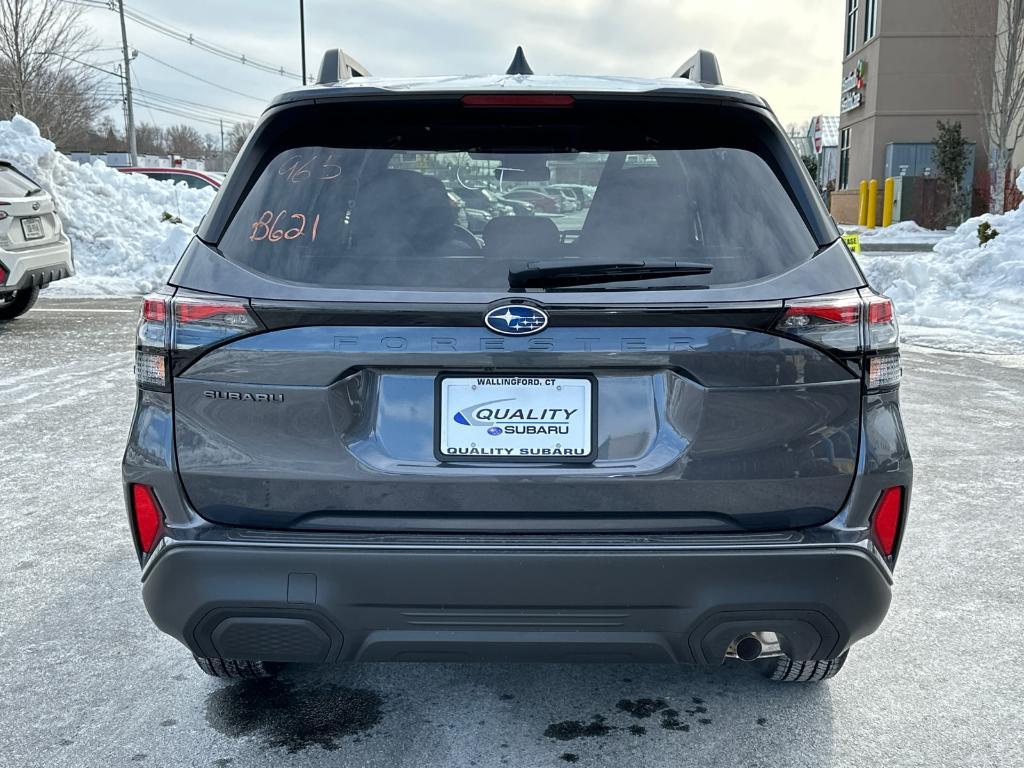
column 147, row 516
column 197, row 311
column 882, row 331
column 154, row 308
column 3, row 275
column 879, row 310
column 887, row 518
column 199, row 322
column 518, row 100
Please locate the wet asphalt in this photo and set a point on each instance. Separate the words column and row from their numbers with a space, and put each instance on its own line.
column 86, row 680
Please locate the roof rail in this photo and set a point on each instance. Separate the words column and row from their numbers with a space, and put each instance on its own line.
column 337, row 65
column 702, row 67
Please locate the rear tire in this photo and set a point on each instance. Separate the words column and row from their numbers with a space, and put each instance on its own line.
column 786, row 670
column 236, row 669
column 18, row 303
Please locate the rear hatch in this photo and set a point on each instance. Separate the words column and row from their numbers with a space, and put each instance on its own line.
column 634, row 366
column 27, row 214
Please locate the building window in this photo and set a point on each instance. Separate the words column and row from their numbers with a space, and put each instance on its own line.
column 870, row 19
column 844, row 159
column 851, row 26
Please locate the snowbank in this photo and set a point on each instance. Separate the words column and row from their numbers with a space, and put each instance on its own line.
column 962, row 295
column 121, row 245
column 903, row 232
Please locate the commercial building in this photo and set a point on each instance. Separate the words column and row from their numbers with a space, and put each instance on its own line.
column 908, row 64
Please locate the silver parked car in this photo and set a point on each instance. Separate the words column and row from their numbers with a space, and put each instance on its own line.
column 34, row 251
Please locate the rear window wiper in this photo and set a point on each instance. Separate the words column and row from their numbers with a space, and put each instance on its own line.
column 542, row 274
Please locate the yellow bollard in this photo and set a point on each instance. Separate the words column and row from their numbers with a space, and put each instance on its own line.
column 872, row 203
column 862, row 217
column 887, row 201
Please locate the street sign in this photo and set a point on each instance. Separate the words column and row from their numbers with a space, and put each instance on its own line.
column 817, row 135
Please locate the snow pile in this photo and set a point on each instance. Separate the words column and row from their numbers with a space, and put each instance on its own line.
column 903, row 232
column 121, row 244
column 963, row 295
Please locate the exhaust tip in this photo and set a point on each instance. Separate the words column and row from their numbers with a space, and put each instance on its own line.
column 748, row 648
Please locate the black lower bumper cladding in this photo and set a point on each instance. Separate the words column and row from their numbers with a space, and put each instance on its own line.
column 337, row 604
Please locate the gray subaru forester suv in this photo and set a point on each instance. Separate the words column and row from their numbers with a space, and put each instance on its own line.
column 665, row 427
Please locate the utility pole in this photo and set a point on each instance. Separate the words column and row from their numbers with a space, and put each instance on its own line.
column 133, row 151
column 302, row 37
column 223, row 164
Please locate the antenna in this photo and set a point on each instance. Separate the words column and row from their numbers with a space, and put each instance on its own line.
column 519, row 65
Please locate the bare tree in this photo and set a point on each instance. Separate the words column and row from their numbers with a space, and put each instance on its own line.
column 184, row 140
column 149, row 139
column 42, row 74
column 999, row 73
column 238, row 134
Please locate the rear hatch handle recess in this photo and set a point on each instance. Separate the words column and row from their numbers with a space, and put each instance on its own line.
column 562, row 273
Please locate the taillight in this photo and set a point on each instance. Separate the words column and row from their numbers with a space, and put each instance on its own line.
column 851, row 323
column 146, row 515
column 198, row 322
column 183, row 323
column 152, row 365
column 826, row 322
column 887, row 518
column 3, row 274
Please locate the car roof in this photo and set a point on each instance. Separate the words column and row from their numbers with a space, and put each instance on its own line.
column 355, row 87
column 162, row 169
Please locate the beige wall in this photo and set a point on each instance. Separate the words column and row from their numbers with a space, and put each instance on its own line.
column 920, row 69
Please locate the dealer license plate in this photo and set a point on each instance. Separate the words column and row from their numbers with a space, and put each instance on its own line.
column 515, row 418
column 32, row 228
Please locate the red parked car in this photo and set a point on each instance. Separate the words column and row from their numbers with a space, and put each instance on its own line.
column 195, row 179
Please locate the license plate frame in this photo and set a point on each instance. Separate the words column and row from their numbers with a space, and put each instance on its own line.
column 32, row 228
column 586, row 395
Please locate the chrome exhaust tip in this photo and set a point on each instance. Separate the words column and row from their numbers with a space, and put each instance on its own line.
column 754, row 645
column 748, row 648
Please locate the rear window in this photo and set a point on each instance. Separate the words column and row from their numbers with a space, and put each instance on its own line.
column 15, row 184
column 454, row 206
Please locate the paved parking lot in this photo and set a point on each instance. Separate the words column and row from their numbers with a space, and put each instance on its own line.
column 86, row 680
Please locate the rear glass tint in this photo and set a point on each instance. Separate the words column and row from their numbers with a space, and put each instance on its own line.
column 496, row 195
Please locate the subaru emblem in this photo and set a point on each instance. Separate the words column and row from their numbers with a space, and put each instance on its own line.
column 516, row 320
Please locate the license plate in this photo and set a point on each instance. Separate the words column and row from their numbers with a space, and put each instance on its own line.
column 32, row 227
column 516, row 418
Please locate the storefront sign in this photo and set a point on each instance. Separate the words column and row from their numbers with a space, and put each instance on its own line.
column 853, row 88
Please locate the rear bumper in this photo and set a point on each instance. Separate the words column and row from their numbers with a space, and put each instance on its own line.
column 332, row 603
column 37, row 267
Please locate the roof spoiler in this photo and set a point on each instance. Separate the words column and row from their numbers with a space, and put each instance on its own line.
column 702, row 67
column 337, row 65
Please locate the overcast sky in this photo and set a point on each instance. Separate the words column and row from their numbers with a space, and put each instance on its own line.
column 788, row 51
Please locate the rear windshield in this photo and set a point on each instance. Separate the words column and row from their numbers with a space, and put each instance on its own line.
column 15, row 184
column 387, row 210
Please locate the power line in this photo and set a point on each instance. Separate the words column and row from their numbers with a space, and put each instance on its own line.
column 167, row 30
column 82, row 63
column 199, row 109
column 201, row 79
column 185, row 114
